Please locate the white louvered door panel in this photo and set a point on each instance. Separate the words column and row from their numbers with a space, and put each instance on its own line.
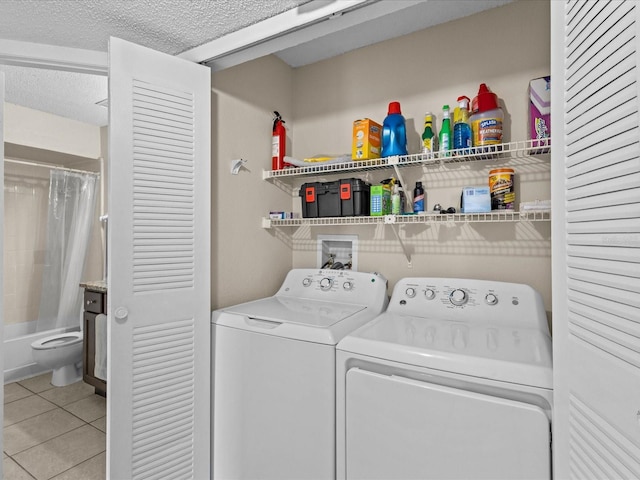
column 159, row 275
column 597, row 342
column 2, row 250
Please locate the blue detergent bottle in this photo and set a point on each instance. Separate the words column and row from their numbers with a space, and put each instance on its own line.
column 394, row 132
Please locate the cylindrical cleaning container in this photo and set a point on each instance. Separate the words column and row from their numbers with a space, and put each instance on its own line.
column 501, row 189
column 394, row 132
column 487, row 118
column 418, row 198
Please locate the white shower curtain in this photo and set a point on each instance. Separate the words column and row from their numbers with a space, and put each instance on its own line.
column 72, row 197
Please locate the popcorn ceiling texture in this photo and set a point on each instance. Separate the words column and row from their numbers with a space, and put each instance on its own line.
column 170, row 26
column 66, row 94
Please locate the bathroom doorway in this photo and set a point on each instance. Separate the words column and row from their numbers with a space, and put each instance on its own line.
column 32, row 152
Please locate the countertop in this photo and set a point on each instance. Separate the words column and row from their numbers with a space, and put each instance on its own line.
column 95, row 286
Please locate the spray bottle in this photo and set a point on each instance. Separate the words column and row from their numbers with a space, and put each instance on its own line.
column 461, row 127
column 429, row 137
column 445, row 132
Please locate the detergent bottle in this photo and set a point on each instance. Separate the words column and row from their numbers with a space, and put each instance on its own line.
column 486, row 119
column 394, row 132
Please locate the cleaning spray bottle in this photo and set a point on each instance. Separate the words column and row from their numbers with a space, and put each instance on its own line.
column 445, row 132
column 395, row 200
column 429, row 137
column 461, row 127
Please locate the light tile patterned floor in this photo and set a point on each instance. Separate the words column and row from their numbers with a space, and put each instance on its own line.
column 53, row 432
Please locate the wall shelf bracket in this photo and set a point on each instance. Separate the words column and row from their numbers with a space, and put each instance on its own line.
column 394, row 227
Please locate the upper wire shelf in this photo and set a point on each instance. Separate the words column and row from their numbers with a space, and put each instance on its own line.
column 519, row 149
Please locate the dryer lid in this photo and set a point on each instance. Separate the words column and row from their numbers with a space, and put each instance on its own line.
column 515, row 355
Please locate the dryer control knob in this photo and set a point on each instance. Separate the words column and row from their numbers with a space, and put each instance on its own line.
column 491, row 299
column 347, row 286
column 326, row 283
column 429, row 294
column 306, row 282
column 458, row 297
column 410, row 292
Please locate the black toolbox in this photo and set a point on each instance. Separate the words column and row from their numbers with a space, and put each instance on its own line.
column 343, row 198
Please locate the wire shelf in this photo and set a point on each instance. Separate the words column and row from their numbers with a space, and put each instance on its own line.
column 519, row 149
column 428, row 219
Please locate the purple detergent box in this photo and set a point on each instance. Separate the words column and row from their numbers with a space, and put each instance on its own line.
column 540, row 108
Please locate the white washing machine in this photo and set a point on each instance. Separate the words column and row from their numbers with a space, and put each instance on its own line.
column 274, row 374
column 453, row 381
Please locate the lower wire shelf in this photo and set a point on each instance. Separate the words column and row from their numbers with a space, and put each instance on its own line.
column 427, row 218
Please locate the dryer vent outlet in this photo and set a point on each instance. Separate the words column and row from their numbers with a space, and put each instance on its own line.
column 336, row 251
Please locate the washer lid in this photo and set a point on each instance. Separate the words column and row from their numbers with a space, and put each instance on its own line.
column 296, row 318
column 515, row 355
column 312, row 313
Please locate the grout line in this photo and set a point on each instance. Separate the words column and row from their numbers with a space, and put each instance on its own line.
column 22, row 467
column 59, row 407
column 48, row 439
column 52, row 438
column 84, row 461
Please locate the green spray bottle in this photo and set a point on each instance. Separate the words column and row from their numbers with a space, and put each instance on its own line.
column 445, row 132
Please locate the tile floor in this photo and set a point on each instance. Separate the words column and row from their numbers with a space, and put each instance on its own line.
column 53, row 432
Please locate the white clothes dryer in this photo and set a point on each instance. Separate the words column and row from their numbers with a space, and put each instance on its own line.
column 273, row 367
column 453, row 381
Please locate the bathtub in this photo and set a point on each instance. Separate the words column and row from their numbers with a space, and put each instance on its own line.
column 18, row 362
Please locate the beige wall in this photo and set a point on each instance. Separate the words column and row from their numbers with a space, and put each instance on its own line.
column 319, row 102
column 44, row 131
column 504, row 48
column 248, row 261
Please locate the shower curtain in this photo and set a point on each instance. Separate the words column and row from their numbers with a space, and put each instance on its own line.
column 72, row 197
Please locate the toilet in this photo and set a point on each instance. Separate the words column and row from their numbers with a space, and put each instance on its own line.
column 63, row 354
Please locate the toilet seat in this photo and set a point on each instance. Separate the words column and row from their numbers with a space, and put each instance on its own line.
column 57, row 341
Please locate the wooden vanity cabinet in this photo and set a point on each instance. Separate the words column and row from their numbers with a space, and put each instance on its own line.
column 95, row 302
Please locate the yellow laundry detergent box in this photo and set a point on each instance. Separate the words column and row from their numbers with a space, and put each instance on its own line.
column 366, row 139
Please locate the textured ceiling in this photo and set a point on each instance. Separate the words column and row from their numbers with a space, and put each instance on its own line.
column 66, row 94
column 170, row 26
column 175, row 26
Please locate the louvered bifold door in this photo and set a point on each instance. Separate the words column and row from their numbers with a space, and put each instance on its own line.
column 159, row 275
column 2, row 249
column 602, row 235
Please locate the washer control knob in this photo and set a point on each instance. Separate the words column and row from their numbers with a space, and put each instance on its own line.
column 326, row 283
column 491, row 299
column 306, row 282
column 410, row 292
column 429, row 294
column 458, row 297
column 347, row 286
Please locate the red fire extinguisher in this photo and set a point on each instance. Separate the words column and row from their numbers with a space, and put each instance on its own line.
column 278, row 145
